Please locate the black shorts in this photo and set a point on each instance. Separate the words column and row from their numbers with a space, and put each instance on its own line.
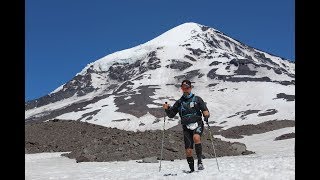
column 188, row 134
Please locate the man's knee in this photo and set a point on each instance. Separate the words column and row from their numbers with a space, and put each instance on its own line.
column 196, row 139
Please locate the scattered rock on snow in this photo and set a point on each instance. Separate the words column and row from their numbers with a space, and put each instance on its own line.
column 152, row 159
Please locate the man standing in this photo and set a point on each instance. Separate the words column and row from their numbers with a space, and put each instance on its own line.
column 190, row 108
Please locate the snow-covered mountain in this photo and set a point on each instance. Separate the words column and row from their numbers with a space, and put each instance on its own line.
column 126, row 89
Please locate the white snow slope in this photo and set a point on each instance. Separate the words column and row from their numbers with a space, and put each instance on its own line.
column 269, row 163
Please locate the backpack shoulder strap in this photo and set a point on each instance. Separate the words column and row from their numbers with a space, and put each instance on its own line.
column 194, row 98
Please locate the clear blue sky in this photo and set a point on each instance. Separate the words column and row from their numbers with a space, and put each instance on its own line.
column 63, row 36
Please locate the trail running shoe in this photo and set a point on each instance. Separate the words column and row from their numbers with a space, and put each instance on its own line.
column 200, row 167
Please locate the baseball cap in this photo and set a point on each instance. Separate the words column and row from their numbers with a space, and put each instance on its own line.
column 186, row 83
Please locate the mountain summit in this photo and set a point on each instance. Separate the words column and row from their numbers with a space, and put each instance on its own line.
column 126, row 89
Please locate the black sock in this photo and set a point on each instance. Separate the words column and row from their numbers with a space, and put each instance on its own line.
column 198, row 148
column 191, row 163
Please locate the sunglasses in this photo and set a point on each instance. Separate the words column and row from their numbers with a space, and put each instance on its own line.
column 185, row 87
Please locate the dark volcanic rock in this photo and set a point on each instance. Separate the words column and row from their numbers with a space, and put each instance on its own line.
column 246, row 79
column 196, row 52
column 124, row 71
column 243, row 68
column 153, row 62
column 204, row 28
column 214, row 63
column 244, row 113
column 237, row 132
column 247, row 112
column 89, row 142
column 285, row 136
column 285, row 96
column 212, row 73
column 227, row 44
column 264, row 59
column 190, row 57
column 80, row 85
column 277, row 71
column 213, row 84
column 268, row 112
column 286, row 83
column 72, row 107
column 119, row 120
column 142, row 97
column 127, row 85
column 230, row 78
column 189, row 75
column 89, row 114
column 212, row 43
column 181, row 65
column 222, row 89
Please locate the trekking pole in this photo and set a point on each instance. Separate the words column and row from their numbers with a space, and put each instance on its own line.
column 213, row 146
column 164, row 121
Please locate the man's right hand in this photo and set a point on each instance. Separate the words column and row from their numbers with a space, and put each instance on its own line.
column 165, row 106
